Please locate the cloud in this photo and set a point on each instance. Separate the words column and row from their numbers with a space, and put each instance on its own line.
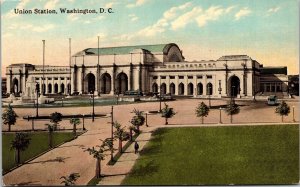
column 110, row 4
column 242, row 13
column 172, row 12
column 51, row 4
column 186, row 18
column 133, row 17
column 211, row 14
column 136, row 4
column 21, row 5
column 73, row 17
column 43, row 28
column 272, row 10
column 30, row 27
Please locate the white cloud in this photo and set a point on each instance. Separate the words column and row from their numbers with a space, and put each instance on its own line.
column 51, row 4
column 133, row 17
column 137, row 3
column 172, row 12
column 186, row 18
column 11, row 13
column 73, row 17
column 243, row 12
column 110, row 4
column 229, row 9
column 211, row 14
column 43, row 28
column 273, row 10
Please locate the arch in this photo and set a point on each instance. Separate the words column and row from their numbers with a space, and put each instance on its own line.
column 172, row 88
column 89, row 83
column 55, row 88
column 49, row 88
column 122, row 83
column 233, row 86
column 69, row 88
column 163, row 88
column 43, row 88
column 209, row 89
column 190, row 89
column 200, row 89
column 62, row 88
column 15, row 85
column 105, row 83
column 181, row 89
column 154, row 87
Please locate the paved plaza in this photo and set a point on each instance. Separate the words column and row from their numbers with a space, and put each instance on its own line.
column 43, row 171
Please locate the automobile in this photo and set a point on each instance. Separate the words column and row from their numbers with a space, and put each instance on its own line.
column 272, row 100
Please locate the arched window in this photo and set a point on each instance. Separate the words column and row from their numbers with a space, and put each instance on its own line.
column 200, row 89
column 163, row 88
column 172, row 88
column 190, row 89
column 209, row 89
column 181, row 89
column 154, row 87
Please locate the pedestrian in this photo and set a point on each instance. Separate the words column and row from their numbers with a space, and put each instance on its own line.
column 136, row 148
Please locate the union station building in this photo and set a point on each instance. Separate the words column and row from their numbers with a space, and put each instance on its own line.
column 148, row 68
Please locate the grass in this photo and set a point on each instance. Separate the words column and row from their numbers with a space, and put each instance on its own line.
column 218, row 156
column 38, row 144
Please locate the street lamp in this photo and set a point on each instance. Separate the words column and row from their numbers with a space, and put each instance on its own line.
column 37, row 98
column 112, row 133
column 232, row 94
column 294, row 114
column 220, row 121
column 93, row 114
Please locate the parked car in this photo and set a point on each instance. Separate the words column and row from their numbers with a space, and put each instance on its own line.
column 272, row 100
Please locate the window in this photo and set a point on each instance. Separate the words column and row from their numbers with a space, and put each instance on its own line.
column 62, row 78
column 68, row 78
column 37, row 78
column 181, row 77
column 55, row 78
column 154, row 77
column 190, row 77
column 199, row 76
column 163, row 77
column 172, row 77
column 209, row 76
column 49, row 78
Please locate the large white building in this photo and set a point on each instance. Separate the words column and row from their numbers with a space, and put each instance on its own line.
column 148, row 68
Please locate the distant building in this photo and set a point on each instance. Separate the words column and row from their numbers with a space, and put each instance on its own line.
column 149, row 68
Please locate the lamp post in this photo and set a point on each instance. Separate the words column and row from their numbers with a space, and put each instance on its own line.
column 93, row 114
column 147, row 119
column 37, row 99
column 294, row 114
column 112, row 132
column 232, row 94
column 83, row 122
column 220, row 121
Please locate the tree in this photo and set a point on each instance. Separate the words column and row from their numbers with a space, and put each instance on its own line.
column 137, row 120
column 282, row 109
column 20, row 143
column 9, row 117
column 70, row 180
column 120, row 134
column 99, row 155
column 232, row 109
column 131, row 130
column 202, row 111
column 51, row 128
column 75, row 122
column 55, row 118
column 167, row 113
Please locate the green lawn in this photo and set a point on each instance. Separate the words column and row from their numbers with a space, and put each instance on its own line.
column 218, row 156
column 38, row 144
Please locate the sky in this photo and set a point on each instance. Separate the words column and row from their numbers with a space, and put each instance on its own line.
column 267, row 31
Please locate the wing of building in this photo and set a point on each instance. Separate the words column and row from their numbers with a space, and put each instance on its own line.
column 149, row 68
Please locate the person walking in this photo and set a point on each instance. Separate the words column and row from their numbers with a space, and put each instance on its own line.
column 136, row 148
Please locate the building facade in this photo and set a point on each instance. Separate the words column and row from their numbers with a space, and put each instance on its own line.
column 147, row 68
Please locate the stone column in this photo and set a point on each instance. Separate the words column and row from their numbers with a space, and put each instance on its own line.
column 176, row 85
column 20, row 84
column 131, row 76
column 98, row 80
column 112, row 92
column 82, row 78
column 168, row 84
column 140, row 77
column 195, row 85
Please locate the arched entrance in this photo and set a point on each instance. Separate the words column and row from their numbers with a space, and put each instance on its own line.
column 172, row 88
column 55, row 88
column 209, row 89
column 200, row 89
column 62, row 88
column 89, row 83
column 163, row 88
column 234, row 86
column 181, row 89
column 122, row 83
column 105, row 83
column 15, row 87
column 49, row 88
column 190, row 89
column 69, row 88
column 154, row 88
column 44, row 88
